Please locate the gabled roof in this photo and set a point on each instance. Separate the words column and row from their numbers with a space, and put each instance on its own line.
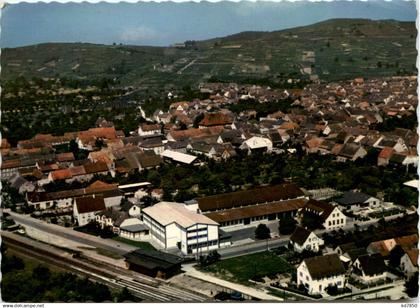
column 413, row 254
column 353, row 197
column 349, row 150
column 257, row 210
column 61, row 174
column 90, row 204
column 215, row 119
column 149, row 159
column 386, row 153
column 149, row 127
column 250, row 197
column 322, row 208
column 166, row 213
column 407, row 241
column 300, row 235
column 353, row 254
column 152, row 259
column 324, row 266
column 372, row 264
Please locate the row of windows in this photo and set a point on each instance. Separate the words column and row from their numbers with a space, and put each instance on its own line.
column 335, row 221
column 194, row 237
column 197, row 230
column 200, row 245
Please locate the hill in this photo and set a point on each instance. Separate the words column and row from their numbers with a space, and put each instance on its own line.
column 331, row 50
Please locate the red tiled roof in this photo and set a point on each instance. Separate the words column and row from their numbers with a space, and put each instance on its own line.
column 61, row 174
column 96, row 167
column 413, row 254
column 257, row 210
column 215, row 119
column 407, row 241
column 150, row 127
column 90, row 204
column 386, row 153
column 250, row 197
column 63, row 157
column 196, row 133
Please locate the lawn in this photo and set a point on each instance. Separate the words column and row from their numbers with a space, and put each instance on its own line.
column 142, row 245
column 255, row 266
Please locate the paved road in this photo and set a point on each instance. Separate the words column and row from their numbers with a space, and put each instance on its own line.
column 239, row 250
column 70, row 234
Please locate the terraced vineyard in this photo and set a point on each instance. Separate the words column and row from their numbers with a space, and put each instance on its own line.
column 331, row 50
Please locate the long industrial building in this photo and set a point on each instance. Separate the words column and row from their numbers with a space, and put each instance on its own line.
column 251, row 206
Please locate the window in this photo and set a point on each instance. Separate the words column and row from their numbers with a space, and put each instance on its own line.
column 342, row 220
column 329, row 223
column 339, row 283
column 301, row 274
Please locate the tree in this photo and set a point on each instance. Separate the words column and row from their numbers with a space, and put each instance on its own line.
column 262, row 232
column 287, row 225
column 412, row 286
column 125, row 296
column 198, row 119
column 41, row 273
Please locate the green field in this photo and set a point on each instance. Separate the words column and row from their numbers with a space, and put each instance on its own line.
column 242, row 269
column 333, row 50
column 142, row 245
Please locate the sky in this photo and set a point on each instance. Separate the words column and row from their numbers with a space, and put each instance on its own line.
column 165, row 23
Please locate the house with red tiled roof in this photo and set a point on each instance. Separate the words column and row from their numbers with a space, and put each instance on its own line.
column 215, row 119
column 149, row 129
column 85, row 209
column 86, row 139
column 384, row 156
column 194, row 133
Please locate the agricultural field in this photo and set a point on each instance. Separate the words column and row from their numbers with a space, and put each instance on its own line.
column 331, row 50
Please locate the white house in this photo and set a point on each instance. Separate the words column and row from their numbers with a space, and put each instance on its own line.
column 85, row 209
column 257, row 144
column 302, row 239
column 318, row 273
column 171, row 225
column 409, row 262
column 330, row 216
column 369, row 269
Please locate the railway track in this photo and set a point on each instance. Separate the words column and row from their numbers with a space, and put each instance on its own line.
column 146, row 288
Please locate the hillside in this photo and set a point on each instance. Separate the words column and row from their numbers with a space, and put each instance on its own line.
column 331, row 50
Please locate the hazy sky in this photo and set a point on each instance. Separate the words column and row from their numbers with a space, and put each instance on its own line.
column 148, row 23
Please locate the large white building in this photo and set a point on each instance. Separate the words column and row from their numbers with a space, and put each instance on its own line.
column 319, row 273
column 171, row 225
